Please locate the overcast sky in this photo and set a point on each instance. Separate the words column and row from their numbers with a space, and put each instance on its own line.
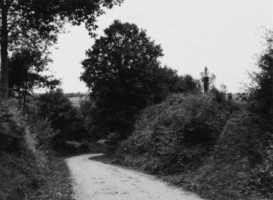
column 224, row 35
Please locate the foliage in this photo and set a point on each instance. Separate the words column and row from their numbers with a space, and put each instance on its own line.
column 261, row 108
column 25, row 21
column 72, row 148
column 262, row 174
column 52, row 104
column 63, row 117
column 18, row 164
column 86, row 112
column 261, row 93
column 124, row 75
column 43, row 140
column 11, row 129
column 25, row 74
column 117, row 70
column 179, row 132
column 239, row 166
column 27, row 165
column 219, row 96
column 235, row 163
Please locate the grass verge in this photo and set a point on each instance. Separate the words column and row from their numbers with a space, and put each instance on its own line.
column 57, row 182
column 22, row 179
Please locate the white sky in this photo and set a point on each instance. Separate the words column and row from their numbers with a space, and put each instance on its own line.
column 223, row 35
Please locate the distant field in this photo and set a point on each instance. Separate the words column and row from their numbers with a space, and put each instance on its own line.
column 77, row 100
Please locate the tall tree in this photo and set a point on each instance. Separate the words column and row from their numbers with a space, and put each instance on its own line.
column 118, row 70
column 21, row 19
column 124, row 75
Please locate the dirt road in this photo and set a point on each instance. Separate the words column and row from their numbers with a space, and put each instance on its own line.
column 97, row 181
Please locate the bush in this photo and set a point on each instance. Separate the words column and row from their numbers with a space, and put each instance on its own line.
column 261, row 91
column 44, row 133
column 178, row 132
column 113, row 142
column 239, row 165
column 27, row 166
column 72, row 147
column 65, row 120
column 84, row 147
column 262, row 176
column 11, row 129
column 19, row 166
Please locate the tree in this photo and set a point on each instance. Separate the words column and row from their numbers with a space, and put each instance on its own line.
column 117, row 71
column 25, row 67
column 261, row 92
column 164, row 81
column 187, row 84
column 124, row 75
column 57, row 109
column 23, row 19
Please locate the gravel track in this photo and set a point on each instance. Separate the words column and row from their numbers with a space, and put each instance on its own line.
column 94, row 180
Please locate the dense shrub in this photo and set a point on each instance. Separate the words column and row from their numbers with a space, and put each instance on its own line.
column 239, row 166
column 57, row 110
column 262, row 175
column 260, row 105
column 113, row 142
column 178, row 132
column 261, row 91
column 43, row 132
column 65, row 148
column 11, row 129
column 19, row 165
column 28, row 168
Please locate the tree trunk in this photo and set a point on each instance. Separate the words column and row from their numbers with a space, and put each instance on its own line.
column 4, row 53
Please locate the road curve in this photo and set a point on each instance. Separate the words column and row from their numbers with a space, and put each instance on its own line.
column 93, row 180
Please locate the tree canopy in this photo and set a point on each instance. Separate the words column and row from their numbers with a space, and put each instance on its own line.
column 261, row 92
column 25, row 67
column 124, row 75
column 57, row 109
column 23, row 20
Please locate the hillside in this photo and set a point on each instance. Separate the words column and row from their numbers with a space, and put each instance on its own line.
column 207, row 146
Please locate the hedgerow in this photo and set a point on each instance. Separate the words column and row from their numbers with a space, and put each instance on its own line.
column 180, row 131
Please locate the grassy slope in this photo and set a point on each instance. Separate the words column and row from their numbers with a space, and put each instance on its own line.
column 57, row 182
column 27, row 171
column 21, row 178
